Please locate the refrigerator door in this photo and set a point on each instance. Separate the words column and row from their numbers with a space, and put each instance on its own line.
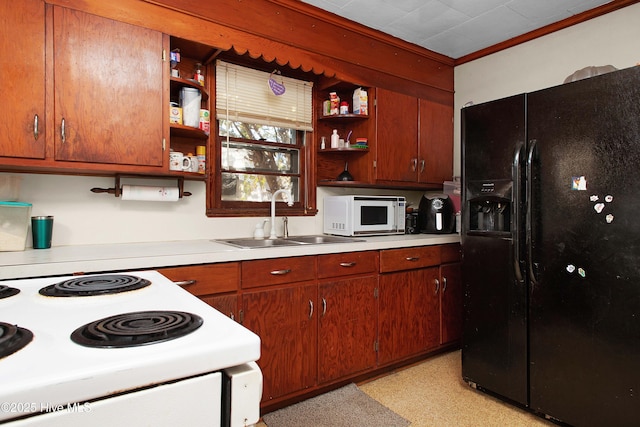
column 494, row 352
column 585, row 233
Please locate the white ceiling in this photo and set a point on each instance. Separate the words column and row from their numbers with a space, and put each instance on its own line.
column 456, row 27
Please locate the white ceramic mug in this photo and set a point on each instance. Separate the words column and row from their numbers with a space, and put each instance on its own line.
column 193, row 167
column 179, row 162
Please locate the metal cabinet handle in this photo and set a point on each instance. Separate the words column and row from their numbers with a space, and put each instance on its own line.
column 324, row 307
column 184, row 283
column 241, row 313
column 437, row 286
column 280, row 272
column 444, row 284
column 412, row 258
column 347, row 264
column 36, row 128
column 232, row 316
column 414, row 164
column 310, row 309
column 421, row 165
column 63, row 134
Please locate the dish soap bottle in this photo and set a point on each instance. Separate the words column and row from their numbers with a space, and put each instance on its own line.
column 335, row 139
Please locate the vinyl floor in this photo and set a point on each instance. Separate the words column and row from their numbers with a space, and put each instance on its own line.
column 432, row 394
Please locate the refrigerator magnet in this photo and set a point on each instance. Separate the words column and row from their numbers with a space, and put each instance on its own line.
column 579, row 183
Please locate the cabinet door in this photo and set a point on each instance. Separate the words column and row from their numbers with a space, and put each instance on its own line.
column 285, row 320
column 409, row 313
column 435, row 163
column 108, row 91
column 347, row 327
column 225, row 304
column 22, row 74
column 451, row 302
column 396, row 136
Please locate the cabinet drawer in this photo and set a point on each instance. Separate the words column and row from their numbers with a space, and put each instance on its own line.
column 334, row 265
column 206, row 279
column 409, row 258
column 275, row 271
column 450, row 253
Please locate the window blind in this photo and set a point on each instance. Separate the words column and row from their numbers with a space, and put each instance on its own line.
column 243, row 94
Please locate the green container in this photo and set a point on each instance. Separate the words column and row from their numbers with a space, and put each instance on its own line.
column 42, row 230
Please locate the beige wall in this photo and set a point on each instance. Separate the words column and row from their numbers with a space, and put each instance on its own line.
column 613, row 39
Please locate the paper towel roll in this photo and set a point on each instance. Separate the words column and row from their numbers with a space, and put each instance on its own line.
column 150, row 194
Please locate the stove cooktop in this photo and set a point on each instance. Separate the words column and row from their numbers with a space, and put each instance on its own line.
column 6, row 291
column 136, row 328
column 82, row 286
column 76, row 373
column 13, row 338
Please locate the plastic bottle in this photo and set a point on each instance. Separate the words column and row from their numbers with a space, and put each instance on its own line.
column 322, row 143
column 335, row 139
column 198, row 76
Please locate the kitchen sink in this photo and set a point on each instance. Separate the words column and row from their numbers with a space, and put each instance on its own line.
column 258, row 243
column 249, row 243
column 319, row 239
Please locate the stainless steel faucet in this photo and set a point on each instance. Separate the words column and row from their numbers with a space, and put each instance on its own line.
column 285, row 221
column 272, row 235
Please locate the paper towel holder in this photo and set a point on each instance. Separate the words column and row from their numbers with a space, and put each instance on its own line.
column 117, row 190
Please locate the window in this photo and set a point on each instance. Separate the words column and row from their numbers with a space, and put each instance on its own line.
column 261, row 142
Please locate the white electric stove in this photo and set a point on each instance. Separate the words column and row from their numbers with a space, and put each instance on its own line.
column 150, row 354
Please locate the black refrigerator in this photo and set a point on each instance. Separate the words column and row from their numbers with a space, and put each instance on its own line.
column 551, row 249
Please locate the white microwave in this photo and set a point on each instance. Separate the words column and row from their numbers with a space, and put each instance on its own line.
column 364, row 215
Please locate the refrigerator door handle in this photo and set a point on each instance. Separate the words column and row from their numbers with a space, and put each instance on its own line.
column 530, row 160
column 517, row 175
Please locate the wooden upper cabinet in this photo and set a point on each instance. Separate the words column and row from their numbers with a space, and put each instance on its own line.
column 22, row 68
column 414, row 140
column 396, row 136
column 108, row 90
column 435, row 142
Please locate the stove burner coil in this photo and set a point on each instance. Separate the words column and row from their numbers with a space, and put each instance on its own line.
column 13, row 338
column 83, row 286
column 136, row 328
column 6, row 291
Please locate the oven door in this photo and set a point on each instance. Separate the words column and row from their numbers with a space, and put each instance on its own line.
column 191, row 402
column 376, row 217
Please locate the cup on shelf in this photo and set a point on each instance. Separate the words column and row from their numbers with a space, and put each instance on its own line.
column 179, row 162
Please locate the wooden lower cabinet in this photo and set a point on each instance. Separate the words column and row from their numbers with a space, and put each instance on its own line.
column 327, row 318
column 284, row 317
column 420, row 307
column 215, row 284
column 347, row 327
column 409, row 317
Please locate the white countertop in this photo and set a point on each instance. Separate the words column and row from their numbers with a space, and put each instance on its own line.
column 63, row 260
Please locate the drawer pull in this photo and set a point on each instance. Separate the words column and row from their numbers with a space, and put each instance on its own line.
column 413, row 258
column 310, row 309
column 437, row 285
column 324, row 307
column 184, row 283
column 280, row 272
column 444, row 284
column 347, row 264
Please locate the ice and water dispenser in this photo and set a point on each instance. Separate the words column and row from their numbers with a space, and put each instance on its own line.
column 489, row 207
